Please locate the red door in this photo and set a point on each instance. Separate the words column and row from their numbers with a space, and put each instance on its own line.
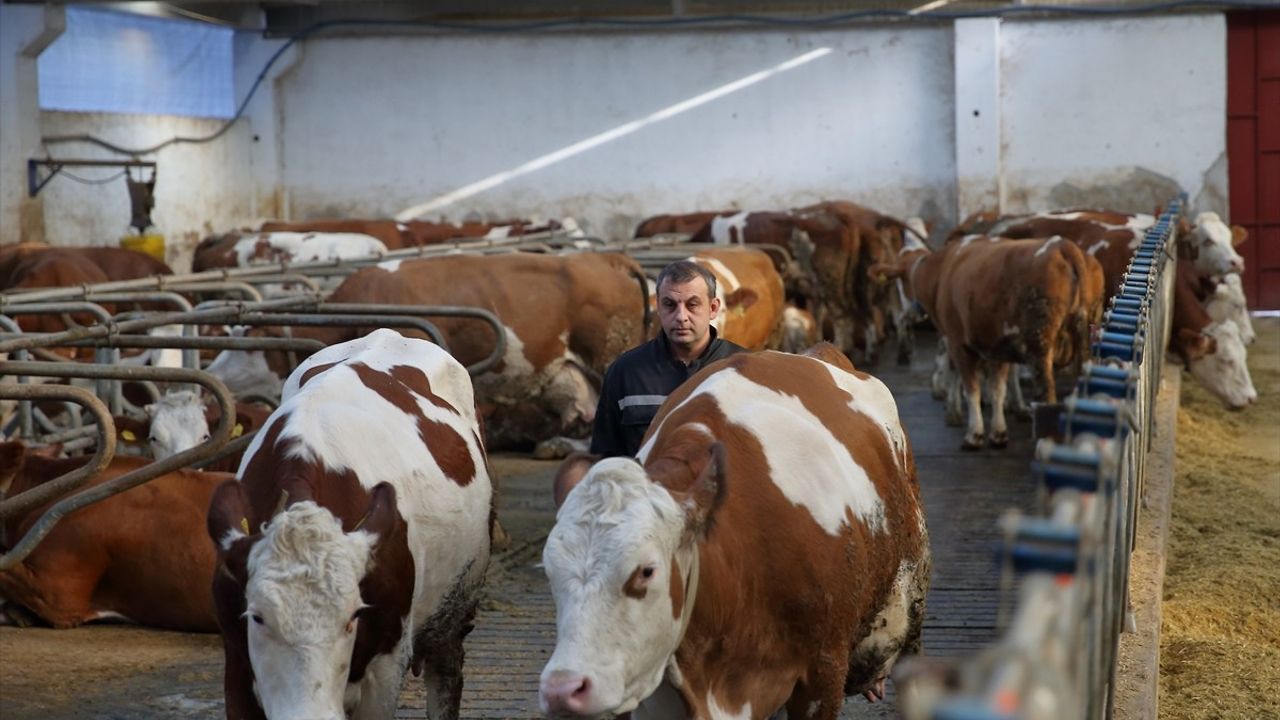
column 1253, row 147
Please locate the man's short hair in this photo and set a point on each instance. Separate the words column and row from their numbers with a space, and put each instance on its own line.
column 682, row 271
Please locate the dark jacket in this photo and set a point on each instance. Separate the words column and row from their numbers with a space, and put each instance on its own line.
column 635, row 386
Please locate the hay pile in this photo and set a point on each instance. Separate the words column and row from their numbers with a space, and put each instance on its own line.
column 1220, row 637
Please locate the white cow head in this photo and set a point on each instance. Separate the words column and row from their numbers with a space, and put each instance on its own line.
column 1228, row 303
column 1217, row 361
column 178, row 423
column 620, row 560
column 1212, row 244
column 301, row 589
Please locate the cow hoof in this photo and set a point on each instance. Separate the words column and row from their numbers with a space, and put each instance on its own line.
column 954, row 420
column 14, row 615
column 973, row 442
column 500, row 540
column 999, row 440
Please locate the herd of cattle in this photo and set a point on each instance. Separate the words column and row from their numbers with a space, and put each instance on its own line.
column 349, row 542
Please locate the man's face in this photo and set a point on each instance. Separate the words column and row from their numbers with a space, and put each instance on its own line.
column 686, row 311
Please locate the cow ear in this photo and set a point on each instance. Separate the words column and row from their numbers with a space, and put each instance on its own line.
column 705, row 497
column 381, row 518
column 228, row 519
column 1194, row 345
column 742, row 297
column 571, row 472
column 12, row 455
column 132, row 431
column 1238, row 235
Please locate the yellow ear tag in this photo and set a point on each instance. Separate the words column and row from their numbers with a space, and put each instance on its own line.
column 128, row 435
column 244, row 525
column 237, row 431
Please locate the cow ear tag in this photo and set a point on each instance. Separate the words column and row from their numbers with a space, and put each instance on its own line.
column 237, row 431
column 128, row 435
column 244, row 525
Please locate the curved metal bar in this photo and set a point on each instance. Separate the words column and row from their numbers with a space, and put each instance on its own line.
column 202, row 343
column 218, row 437
column 224, row 313
column 283, row 278
column 57, row 308
column 499, row 331
column 347, row 320
column 249, row 292
column 74, row 479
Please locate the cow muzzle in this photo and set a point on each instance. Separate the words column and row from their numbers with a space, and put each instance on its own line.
column 566, row 694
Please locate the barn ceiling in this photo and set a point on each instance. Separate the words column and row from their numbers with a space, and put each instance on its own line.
column 287, row 17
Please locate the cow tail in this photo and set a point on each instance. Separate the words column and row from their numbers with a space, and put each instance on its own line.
column 644, row 297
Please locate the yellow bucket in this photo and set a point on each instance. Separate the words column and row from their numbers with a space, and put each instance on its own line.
column 152, row 245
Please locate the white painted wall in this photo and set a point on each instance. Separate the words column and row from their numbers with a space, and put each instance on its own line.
column 1117, row 112
column 1128, row 110
column 200, row 188
column 373, row 126
column 24, row 32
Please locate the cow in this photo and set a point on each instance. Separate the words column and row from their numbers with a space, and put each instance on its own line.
column 750, row 293
column 798, row 329
column 566, row 318
column 766, row 548
column 879, row 306
column 999, row 301
column 246, row 249
column 1226, row 300
column 180, row 420
column 425, row 232
column 688, row 223
column 354, row 541
column 1211, row 350
column 140, row 555
column 392, row 234
column 1205, row 256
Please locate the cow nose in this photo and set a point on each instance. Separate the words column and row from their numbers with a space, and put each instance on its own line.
column 565, row 693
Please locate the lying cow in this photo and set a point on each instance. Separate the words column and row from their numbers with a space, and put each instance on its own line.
column 355, row 540
column 566, row 319
column 766, row 549
column 261, row 248
column 688, row 223
column 139, row 555
column 392, row 234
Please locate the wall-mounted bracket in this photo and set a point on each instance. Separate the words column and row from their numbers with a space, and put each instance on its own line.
column 35, row 184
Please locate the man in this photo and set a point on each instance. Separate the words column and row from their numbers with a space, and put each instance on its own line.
column 640, row 379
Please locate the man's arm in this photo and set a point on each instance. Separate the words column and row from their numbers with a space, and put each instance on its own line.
column 606, row 436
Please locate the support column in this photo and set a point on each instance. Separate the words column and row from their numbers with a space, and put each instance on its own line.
column 979, row 170
column 264, row 114
column 25, row 31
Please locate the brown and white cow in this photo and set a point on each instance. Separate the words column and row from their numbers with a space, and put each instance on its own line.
column 260, row 248
column 998, row 302
column 765, row 549
column 392, row 234
column 566, row 318
column 140, row 555
column 355, row 540
column 1206, row 262
column 750, row 292
column 1213, row 351
column 688, row 223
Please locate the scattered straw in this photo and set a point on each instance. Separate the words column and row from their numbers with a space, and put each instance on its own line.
column 1220, row 636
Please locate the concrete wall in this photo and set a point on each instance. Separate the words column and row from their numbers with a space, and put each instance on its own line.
column 24, row 32
column 1115, row 112
column 375, row 126
column 611, row 127
column 200, row 188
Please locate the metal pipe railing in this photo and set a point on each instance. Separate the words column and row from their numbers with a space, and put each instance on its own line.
column 41, row 494
column 1057, row 656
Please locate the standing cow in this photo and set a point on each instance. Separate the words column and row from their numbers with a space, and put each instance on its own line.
column 766, row 548
column 355, row 540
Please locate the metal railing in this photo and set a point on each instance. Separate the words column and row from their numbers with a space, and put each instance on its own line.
column 1056, row 658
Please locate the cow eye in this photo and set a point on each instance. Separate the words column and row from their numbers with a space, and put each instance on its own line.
column 647, row 572
column 257, row 619
column 205, row 438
